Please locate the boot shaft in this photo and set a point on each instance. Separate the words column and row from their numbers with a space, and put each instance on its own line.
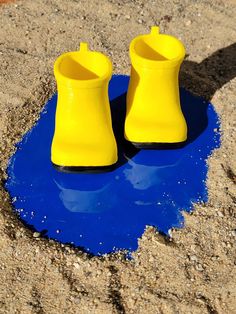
column 153, row 106
column 83, row 129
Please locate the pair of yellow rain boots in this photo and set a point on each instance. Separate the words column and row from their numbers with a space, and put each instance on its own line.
column 83, row 137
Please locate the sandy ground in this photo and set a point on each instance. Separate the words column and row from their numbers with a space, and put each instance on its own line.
column 192, row 273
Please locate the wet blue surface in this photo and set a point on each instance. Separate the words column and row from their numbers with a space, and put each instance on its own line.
column 109, row 211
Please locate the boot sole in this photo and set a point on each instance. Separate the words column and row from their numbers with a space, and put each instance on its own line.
column 154, row 145
column 84, row 169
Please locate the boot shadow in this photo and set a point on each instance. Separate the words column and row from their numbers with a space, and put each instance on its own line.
column 206, row 77
column 195, row 115
column 202, row 79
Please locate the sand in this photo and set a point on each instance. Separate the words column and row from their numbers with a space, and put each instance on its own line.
column 194, row 272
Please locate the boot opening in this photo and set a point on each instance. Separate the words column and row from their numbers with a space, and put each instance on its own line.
column 87, row 66
column 159, row 48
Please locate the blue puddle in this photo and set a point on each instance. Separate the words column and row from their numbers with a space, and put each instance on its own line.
column 104, row 212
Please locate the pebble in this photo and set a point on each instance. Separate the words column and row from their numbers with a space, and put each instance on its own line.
column 36, row 234
column 127, row 17
column 199, row 267
column 76, row 265
column 18, row 234
column 151, row 259
column 220, row 214
column 193, row 258
column 233, row 233
column 99, row 272
column 198, row 295
column 188, row 23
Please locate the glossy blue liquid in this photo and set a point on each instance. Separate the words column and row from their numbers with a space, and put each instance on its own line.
column 105, row 212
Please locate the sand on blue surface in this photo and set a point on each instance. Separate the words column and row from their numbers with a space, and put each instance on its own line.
column 194, row 272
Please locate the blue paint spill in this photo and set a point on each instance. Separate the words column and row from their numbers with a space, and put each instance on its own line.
column 104, row 212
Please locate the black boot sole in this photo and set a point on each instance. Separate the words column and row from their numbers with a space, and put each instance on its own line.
column 86, row 169
column 159, row 145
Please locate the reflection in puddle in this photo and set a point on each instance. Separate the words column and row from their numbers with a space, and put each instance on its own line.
column 144, row 177
column 107, row 211
column 78, row 201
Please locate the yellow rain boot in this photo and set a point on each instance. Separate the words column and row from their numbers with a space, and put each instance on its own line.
column 153, row 107
column 83, row 138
